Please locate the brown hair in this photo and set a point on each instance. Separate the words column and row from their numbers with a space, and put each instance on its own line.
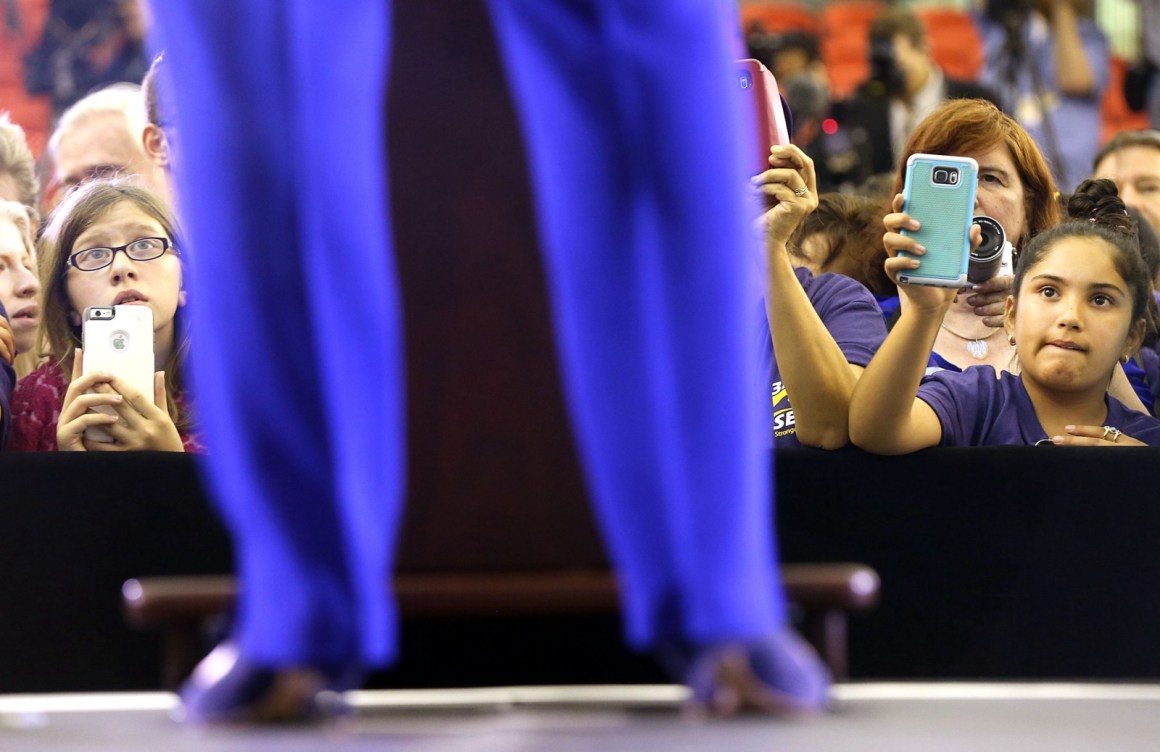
column 84, row 206
column 853, row 227
column 961, row 126
column 894, row 20
column 16, row 160
column 1123, row 140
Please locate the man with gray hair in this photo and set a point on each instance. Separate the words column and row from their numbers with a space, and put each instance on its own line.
column 100, row 136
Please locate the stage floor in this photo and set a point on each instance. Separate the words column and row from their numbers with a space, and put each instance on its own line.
column 866, row 717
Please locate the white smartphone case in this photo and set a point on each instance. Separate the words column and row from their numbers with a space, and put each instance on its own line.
column 119, row 340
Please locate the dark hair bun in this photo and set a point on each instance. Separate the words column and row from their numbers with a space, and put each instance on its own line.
column 1098, row 201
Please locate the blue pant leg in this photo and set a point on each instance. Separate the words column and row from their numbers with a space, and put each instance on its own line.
column 343, row 67
column 258, row 376
column 633, row 143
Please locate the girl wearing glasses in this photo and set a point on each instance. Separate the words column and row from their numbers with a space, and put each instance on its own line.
column 109, row 243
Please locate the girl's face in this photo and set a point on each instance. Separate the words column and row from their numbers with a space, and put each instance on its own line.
column 155, row 283
column 1073, row 317
column 18, row 286
column 1000, row 192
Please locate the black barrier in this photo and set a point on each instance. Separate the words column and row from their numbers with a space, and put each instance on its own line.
column 1034, row 562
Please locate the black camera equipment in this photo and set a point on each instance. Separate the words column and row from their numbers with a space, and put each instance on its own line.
column 987, row 259
column 886, row 77
column 1011, row 16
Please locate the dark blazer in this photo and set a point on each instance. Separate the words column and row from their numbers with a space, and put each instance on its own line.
column 870, row 113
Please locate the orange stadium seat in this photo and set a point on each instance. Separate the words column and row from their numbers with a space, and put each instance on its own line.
column 776, row 17
column 847, row 59
column 1114, row 113
column 33, row 14
column 841, row 16
column 954, row 40
column 844, row 47
column 33, row 113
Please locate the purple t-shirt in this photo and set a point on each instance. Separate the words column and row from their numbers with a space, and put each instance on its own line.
column 976, row 409
column 853, row 319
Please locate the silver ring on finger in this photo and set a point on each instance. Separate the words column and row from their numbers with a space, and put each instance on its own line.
column 800, row 192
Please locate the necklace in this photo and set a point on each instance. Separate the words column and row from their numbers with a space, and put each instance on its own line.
column 976, row 346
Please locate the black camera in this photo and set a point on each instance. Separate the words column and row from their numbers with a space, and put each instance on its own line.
column 1008, row 11
column 886, row 77
column 988, row 259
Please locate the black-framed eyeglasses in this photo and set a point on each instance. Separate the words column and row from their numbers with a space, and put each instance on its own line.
column 141, row 249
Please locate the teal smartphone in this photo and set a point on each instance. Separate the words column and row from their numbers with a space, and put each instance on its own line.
column 940, row 193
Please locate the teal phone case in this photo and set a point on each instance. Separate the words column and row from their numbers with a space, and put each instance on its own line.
column 945, row 212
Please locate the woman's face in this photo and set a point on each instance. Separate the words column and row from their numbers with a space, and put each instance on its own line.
column 1000, row 192
column 18, row 286
column 155, row 283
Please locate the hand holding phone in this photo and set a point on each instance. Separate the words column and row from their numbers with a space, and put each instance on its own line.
column 940, row 194
column 118, row 340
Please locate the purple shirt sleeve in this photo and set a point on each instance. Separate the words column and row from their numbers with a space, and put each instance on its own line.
column 970, row 407
column 849, row 312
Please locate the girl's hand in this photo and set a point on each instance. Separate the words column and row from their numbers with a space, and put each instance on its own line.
column 143, row 419
column 921, row 298
column 1095, row 436
column 140, row 422
column 76, row 413
column 793, row 184
column 990, row 299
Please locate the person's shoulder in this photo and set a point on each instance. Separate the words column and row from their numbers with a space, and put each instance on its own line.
column 44, row 382
column 982, row 375
column 46, row 375
column 1136, row 424
column 831, row 284
column 838, row 294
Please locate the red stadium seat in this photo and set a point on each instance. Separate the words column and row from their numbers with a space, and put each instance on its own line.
column 1115, row 114
column 777, row 17
column 954, row 41
column 844, row 15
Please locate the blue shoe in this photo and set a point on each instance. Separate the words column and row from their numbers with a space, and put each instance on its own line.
column 778, row 674
column 226, row 688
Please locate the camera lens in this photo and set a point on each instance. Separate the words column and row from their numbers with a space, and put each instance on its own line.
column 988, row 257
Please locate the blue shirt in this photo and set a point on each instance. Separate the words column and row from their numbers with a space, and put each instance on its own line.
column 1075, row 120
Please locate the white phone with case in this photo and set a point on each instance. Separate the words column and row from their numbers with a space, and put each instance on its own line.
column 119, row 340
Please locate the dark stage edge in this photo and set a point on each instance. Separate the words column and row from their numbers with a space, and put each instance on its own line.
column 867, row 717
